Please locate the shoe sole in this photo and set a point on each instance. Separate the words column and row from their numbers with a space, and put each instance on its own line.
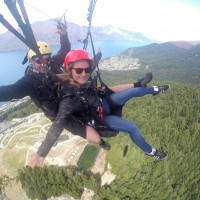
column 166, row 89
column 162, row 158
column 144, row 82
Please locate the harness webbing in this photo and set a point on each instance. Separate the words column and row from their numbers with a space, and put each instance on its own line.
column 89, row 37
column 29, row 31
column 28, row 38
column 12, row 29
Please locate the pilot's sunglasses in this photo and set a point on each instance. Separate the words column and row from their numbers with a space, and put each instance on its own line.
column 80, row 70
column 42, row 61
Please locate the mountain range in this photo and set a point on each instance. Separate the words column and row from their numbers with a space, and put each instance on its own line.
column 45, row 31
column 179, row 54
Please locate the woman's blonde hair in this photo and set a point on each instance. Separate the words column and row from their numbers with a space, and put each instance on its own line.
column 67, row 76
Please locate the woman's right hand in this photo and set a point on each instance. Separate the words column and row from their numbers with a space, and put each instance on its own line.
column 35, row 160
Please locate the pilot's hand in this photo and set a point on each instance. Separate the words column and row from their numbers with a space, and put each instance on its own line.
column 62, row 28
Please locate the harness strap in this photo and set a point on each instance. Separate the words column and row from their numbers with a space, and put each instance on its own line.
column 6, row 24
column 28, row 37
column 100, row 111
column 28, row 30
column 85, row 41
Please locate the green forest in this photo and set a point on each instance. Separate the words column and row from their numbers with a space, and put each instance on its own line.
column 168, row 121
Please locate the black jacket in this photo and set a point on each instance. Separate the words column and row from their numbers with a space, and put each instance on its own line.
column 73, row 114
column 78, row 107
column 40, row 87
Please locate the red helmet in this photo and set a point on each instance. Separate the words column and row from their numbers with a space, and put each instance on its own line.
column 75, row 55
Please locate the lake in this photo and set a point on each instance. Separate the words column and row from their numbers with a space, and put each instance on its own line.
column 11, row 62
column 11, row 67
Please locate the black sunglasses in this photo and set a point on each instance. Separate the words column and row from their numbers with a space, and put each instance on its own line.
column 87, row 70
column 42, row 61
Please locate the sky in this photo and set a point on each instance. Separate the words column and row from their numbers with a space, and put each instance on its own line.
column 161, row 20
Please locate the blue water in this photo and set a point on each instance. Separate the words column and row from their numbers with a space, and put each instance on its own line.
column 11, row 68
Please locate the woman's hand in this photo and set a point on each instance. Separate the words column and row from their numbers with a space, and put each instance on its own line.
column 35, row 160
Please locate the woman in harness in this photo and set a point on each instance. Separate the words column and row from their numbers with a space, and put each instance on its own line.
column 78, row 64
column 80, row 101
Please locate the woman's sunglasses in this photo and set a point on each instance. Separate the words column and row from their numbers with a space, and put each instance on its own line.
column 42, row 61
column 87, row 70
